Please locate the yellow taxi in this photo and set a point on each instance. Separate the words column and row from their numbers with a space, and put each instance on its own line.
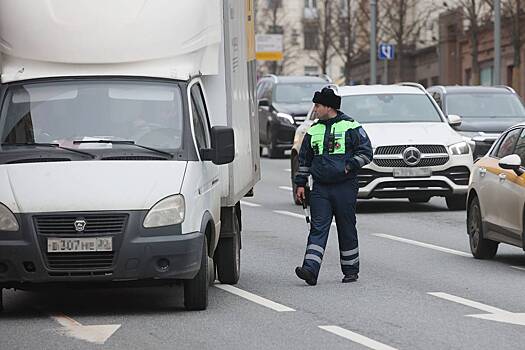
column 496, row 197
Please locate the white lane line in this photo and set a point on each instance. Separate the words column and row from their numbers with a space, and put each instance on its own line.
column 424, row 245
column 470, row 303
column 249, row 204
column 356, row 338
column 254, row 298
column 518, row 268
column 286, row 188
column 288, row 170
column 293, row 215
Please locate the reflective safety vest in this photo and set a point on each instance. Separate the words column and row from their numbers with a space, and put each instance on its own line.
column 336, row 139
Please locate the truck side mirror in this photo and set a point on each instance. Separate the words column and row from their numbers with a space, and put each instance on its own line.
column 222, row 149
column 264, row 103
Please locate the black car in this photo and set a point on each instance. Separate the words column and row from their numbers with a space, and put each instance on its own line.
column 284, row 102
column 485, row 112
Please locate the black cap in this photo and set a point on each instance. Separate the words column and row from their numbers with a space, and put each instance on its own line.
column 327, row 97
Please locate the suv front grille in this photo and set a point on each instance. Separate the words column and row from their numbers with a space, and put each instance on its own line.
column 392, row 156
column 64, row 225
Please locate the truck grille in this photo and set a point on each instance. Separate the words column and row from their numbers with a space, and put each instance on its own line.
column 392, row 156
column 64, row 225
column 80, row 261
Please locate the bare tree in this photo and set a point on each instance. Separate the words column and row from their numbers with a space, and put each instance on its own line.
column 475, row 12
column 326, row 34
column 402, row 22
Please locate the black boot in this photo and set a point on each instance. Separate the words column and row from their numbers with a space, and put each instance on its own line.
column 306, row 275
column 352, row 277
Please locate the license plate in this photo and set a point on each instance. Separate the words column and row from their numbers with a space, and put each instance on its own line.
column 412, row 172
column 76, row 245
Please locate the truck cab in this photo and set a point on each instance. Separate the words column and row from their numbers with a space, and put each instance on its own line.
column 124, row 155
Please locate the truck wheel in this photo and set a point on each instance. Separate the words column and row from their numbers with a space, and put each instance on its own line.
column 196, row 289
column 457, row 202
column 480, row 247
column 228, row 256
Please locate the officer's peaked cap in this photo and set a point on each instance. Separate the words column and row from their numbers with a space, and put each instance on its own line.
column 327, row 97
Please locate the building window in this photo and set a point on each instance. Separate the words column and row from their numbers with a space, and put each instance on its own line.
column 310, row 9
column 310, row 4
column 434, row 81
column 510, row 73
column 486, row 76
column 311, row 38
column 311, row 70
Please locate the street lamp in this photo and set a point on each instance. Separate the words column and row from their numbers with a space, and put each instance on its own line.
column 497, row 42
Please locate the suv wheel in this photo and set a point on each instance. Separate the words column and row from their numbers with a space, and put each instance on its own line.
column 457, row 202
column 480, row 247
column 273, row 151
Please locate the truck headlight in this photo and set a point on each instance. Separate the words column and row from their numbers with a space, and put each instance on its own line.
column 285, row 117
column 8, row 220
column 168, row 211
column 459, row 148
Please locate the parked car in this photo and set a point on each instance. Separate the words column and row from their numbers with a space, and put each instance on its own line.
column 417, row 154
column 283, row 103
column 485, row 112
column 496, row 199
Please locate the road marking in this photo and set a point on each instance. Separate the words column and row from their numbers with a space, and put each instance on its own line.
column 294, row 215
column 254, row 298
column 518, row 268
column 356, row 338
column 288, row 170
column 249, row 204
column 92, row 334
column 424, row 245
column 494, row 314
column 286, row 188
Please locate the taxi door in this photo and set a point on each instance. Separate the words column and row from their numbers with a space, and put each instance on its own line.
column 512, row 187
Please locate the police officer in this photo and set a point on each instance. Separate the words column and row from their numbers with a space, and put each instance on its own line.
column 333, row 150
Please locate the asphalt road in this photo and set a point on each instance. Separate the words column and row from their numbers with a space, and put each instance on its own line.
column 419, row 288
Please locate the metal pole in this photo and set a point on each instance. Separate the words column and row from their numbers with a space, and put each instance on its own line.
column 373, row 44
column 385, row 72
column 497, row 42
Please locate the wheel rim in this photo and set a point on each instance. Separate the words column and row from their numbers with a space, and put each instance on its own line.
column 474, row 225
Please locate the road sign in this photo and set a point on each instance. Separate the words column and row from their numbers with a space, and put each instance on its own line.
column 386, row 52
column 269, row 47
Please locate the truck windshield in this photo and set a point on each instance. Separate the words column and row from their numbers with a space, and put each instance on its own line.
column 485, row 105
column 297, row 92
column 390, row 108
column 61, row 112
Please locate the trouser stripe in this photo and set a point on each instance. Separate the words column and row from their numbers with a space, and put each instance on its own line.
column 316, row 248
column 350, row 262
column 350, row 252
column 313, row 258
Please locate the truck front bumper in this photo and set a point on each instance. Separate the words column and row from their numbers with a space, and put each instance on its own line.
column 139, row 254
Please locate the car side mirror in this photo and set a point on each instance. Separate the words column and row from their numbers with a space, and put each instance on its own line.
column 454, row 120
column 264, row 103
column 512, row 162
column 222, row 149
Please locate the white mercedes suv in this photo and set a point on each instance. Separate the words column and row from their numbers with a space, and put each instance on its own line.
column 417, row 154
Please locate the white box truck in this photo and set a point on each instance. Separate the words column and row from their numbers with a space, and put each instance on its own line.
column 128, row 138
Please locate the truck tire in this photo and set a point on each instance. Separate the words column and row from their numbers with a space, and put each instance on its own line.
column 480, row 247
column 196, row 289
column 228, row 256
column 456, row 202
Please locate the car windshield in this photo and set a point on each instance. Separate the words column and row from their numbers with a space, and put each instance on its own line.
column 60, row 112
column 485, row 105
column 296, row 93
column 390, row 108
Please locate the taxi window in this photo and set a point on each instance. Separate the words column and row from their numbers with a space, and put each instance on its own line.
column 507, row 145
column 520, row 148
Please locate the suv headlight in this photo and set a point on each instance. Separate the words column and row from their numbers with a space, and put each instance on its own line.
column 8, row 220
column 459, row 148
column 285, row 117
column 168, row 211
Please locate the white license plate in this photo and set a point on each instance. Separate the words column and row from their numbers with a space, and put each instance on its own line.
column 412, row 172
column 75, row 245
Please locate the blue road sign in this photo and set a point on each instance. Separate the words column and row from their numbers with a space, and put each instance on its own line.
column 386, row 52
